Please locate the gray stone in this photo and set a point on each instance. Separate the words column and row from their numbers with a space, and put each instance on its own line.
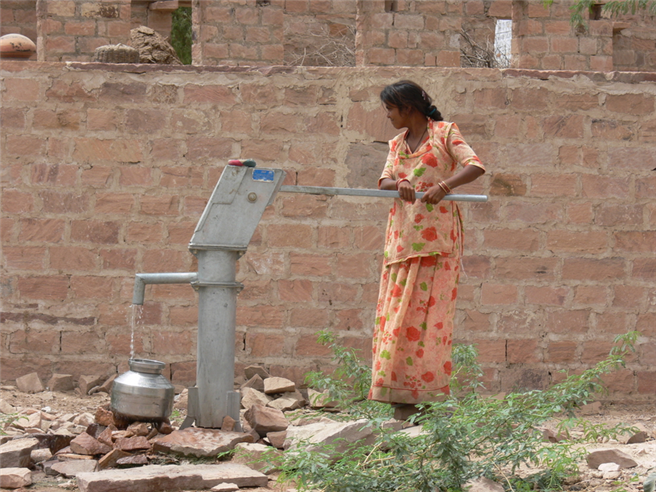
column 264, row 419
column 15, row 478
column 30, row 383
column 275, row 385
column 599, row 456
column 171, row 478
column 194, row 441
column 61, row 382
column 16, row 453
column 250, row 397
column 71, row 468
column 251, row 371
column 483, row 485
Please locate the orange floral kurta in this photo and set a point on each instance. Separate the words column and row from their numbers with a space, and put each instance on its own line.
column 419, row 282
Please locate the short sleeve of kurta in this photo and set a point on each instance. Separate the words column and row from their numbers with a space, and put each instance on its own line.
column 421, row 229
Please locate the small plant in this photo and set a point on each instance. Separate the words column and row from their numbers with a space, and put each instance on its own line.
column 465, row 437
column 7, row 419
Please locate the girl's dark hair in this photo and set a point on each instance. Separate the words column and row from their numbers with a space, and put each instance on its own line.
column 406, row 94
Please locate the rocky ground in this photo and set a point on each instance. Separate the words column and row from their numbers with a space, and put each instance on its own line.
column 630, row 479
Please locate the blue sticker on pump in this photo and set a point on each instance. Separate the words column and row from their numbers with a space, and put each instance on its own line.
column 263, row 175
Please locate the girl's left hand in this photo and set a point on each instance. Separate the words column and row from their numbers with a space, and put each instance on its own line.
column 434, row 195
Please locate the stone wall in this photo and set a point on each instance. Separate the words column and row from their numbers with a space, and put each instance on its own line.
column 106, row 170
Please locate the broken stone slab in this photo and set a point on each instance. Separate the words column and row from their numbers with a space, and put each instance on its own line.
column 84, row 419
column 638, row 434
column 256, row 382
column 285, row 403
column 171, row 478
column 86, row 382
column 228, row 424
column 275, row 385
column 110, row 459
column 15, row 478
column 71, row 468
column 194, row 441
column 265, row 419
column 132, row 460
column 61, row 382
column 30, row 383
column 599, row 456
column 340, row 434
column 258, row 457
column 106, row 387
column 483, row 484
column 251, row 396
column 88, row 445
column 250, row 371
column 104, row 416
column 16, row 453
column 32, row 420
column 277, row 439
column 54, row 442
column 320, row 400
column 138, row 429
column 135, row 443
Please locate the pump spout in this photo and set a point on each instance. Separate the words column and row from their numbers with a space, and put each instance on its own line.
column 141, row 279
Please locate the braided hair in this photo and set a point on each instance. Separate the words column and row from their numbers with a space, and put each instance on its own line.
column 406, row 94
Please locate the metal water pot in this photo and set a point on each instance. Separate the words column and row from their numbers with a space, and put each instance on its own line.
column 142, row 393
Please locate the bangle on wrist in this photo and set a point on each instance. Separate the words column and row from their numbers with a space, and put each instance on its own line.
column 444, row 187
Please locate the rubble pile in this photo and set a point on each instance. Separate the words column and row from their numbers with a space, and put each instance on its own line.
column 103, row 452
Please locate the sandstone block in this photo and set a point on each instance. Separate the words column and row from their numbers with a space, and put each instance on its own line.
column 132, row 460
column 341, row 434
column 61, row 382
column 285, row 403
column 88, row 445
column 171, row 478
column 30, row 383
column 199, row 442
column 15, row 478
column 85, row 383
column 274, row 385
column 71, row 468
column 264, row 419
column 110, row 459
column 251, row 371
column 257, row 456
column 256, row 382
column 277, row 439
column 136, row 443
column 16, row 453
column 250, row 397
column 40, row 455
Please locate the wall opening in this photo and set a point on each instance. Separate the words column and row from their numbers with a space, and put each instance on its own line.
column 502, row 42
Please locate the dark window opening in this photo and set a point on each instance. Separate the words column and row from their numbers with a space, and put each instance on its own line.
column 391, row 5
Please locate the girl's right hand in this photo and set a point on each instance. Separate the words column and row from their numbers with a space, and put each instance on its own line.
column 406, row 191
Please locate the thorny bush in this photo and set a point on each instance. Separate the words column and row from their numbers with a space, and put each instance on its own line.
column 465, row 437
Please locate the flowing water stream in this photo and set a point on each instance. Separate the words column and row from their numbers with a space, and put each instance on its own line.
column 137, row 314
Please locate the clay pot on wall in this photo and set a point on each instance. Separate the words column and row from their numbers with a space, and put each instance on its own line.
column 16, row 46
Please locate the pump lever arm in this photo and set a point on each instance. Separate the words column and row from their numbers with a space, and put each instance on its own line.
column 325, row 190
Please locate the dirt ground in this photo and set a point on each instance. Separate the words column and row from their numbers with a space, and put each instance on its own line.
column 630, row 480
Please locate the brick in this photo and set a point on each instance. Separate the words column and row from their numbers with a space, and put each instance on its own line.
column 367, row 238
column 63, row 202
column 563, row 352
column 498, row 294
column 24, row 257
column 635, row 241
column 644, row 268
column 646, row 324
column 474, row 320
column 118, row 259
column 34, row 341
column 578, row 242
column 568, row 321
column 594, row 352
column 183, row 315
column 13, row 118
column 54, row 174
column 525, row 351
column 71, row 258
column 140, row 232
column 307, row 345
column 353, row 266
column 612, row 130
column 592, row 269
column 509, row 239
column 173, row 342
column 15, row 202
column 628, row 296
column 26, row 90
column 79, row 342
column 97, row 176
column 265, row 345
column 295, row 290
column 102, row 119
column 88, row 287
column 43, row 287
column 525, row 268
column 613, row 323
column 95, row 231
column 564, row 126
column 25, row 145
column 611, row 215
column 180, row 232
column 260, row 316
column 336, row 292
column 590, row 294
column 604, row 187
column 296, row 235
column 491, row 350
column 160, row 205
column 646, row 382
column 114, row 203
column 304, row 317
column 553, row 296
column 305, row 206
column 532, row 213
column 164, row 260
column 310, row 265
column 634, row 104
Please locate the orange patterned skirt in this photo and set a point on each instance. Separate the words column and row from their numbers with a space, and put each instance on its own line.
column 414, row 329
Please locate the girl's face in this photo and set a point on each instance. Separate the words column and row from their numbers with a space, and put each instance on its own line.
column 396, row 116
